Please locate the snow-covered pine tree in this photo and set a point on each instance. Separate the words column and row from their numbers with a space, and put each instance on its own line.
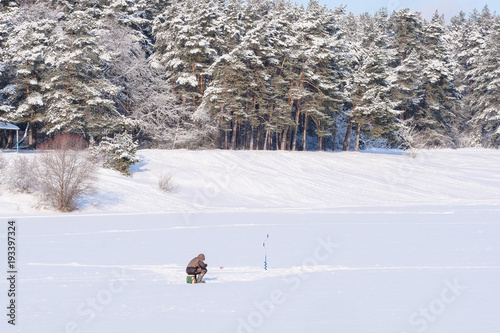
column 248, row 94
column 319, row 63
column 457, row 37
column 27, row 48
column 6, row 4
column 79, row 96
column 259, row 54
column 485, row 89
column 372, row 109
column 135, row 15
column 118, row 152
column 405, row 59
column 438, row 102
column 225, row 97
column 278, row 52
column 469, row 42
column 8, row 91
column 186, row 44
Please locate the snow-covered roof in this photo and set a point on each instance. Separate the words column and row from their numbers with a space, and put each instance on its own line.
column 8, row 126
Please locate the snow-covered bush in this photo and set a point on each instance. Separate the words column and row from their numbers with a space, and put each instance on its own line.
column 118, row 152
column 413, row 141
column 165, row 183
column 18, row 176
column 64, row 171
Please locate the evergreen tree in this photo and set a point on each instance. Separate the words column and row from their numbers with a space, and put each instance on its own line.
column 138, row 15
column 405, row 58
column 372, row 109
column 8, row 90
column 60, row 64
column 27, row 48
column 471, row 44
column 186, row 45
column 457, row 40
column 320, row 64
column 79, row 96
column 439, row 95
column 280, row 52
column 256, row 74
column 225, row 99
column 485, row 100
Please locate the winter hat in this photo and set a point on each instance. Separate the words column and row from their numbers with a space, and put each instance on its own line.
column 201, row 256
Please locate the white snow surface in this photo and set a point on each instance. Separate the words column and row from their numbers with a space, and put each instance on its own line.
column 354, row 242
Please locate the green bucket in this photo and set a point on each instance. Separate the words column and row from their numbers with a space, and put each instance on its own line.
column 191, row 279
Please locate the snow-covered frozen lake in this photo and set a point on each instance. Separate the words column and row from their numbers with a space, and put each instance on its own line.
column 361, row 251
column 374, row 271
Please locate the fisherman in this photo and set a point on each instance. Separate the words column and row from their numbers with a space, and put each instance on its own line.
column 197, row 267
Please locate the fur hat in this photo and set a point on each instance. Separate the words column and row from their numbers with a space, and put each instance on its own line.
column 201, row 256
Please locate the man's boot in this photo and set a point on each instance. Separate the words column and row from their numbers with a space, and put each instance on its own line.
column 199, row 277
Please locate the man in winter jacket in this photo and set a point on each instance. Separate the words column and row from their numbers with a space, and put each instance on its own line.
column 197, row 267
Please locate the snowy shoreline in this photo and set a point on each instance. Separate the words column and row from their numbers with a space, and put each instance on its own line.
column 215, row 181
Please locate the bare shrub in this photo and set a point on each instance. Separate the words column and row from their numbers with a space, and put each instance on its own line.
column 18, row 176
column 413, row 140
column 165, row 183
column 64, row 141
column 65, row 171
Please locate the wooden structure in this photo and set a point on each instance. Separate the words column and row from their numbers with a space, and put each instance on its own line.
column 10, row 127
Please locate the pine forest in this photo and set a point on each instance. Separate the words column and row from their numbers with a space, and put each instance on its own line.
column 249, row 75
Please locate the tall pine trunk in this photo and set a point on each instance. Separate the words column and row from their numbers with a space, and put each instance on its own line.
column 32, row 134
column 288, row 143
column 251, row 137
column 347, row 140
column 320, row 138
column 304, row 133
column 297, row 116
column 244, row 135
column 284, row 138
column 259, row 135
column 357, row 137
column 335, row 130
column 234, row 134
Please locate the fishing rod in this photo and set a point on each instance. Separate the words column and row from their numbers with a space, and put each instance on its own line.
column 265, row 252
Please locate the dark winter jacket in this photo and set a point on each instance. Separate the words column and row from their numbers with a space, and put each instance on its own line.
column 197, row 265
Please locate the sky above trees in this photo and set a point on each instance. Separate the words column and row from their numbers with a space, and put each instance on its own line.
column 449, row 8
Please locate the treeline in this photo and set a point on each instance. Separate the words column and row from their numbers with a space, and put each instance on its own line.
column 258, row 74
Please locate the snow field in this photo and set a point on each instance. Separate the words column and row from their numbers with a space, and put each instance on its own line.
column 221, row 181
column 365, row 272
column 357, row 243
